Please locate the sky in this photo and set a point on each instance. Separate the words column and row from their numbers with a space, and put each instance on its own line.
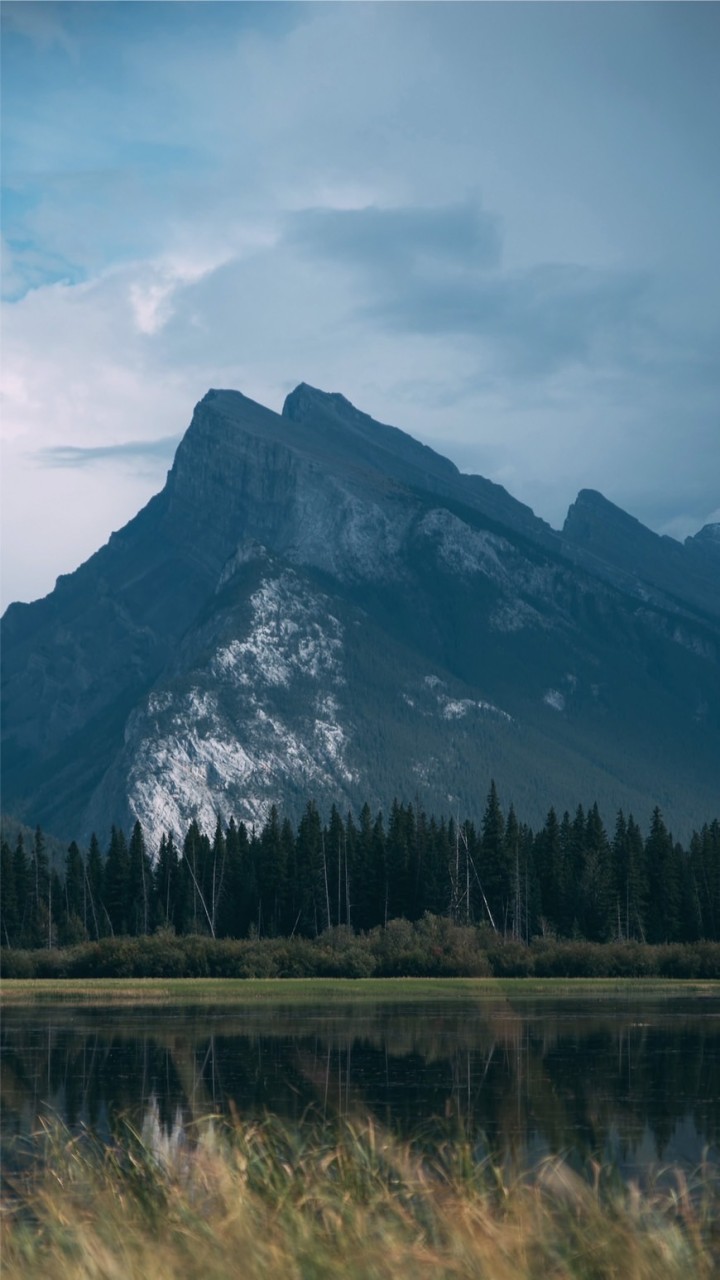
column 494, row 225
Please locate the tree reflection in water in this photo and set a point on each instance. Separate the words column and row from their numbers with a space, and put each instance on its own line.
column 633, row 1080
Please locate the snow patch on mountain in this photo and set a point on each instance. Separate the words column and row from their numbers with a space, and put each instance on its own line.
column 555, row 699
column 285, row 640
column 463, row 549
column 232, row 748
column 348, row 536
column 456, row 708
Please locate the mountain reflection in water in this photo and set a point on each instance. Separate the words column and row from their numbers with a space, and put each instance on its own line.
column 632, row 1080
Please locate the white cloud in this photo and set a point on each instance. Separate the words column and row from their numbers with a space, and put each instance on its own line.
column 155, row 175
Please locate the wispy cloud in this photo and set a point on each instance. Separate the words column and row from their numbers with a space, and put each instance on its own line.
column 71, row 455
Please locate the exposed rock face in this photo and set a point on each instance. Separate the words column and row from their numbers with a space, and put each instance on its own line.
column 317, row 604
column 617, row 544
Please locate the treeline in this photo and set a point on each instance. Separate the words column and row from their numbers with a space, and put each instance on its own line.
column 571, row 879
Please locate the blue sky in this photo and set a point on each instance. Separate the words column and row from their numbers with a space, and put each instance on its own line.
column 494, row 225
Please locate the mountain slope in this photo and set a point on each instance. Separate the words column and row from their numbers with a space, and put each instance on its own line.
column 318, row 604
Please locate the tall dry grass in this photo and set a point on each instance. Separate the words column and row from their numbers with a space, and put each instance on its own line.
column 272, row 1202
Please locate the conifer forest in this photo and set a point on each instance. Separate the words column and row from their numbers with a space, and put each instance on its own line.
column 572, row 879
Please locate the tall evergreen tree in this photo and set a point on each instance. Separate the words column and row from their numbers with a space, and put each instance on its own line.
column 663, row 915
column 217, row 869
column 548, row 860
column 95, row 918
column 399, row 842
column 336, row 865
column 704, row 861
column 9, row 914
column 23, row 893
column 140, row 906
column 310, row 863
column 41, row 927
column 115, row 882
column 166, row 877
column 198, row 881
column 630, row 883
column 495, row 872
column 239, row 903
column 74, row 894
column 366, row 891
column 271, row 874
column 595, row 899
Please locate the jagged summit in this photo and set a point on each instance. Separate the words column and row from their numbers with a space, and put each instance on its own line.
column 608, row 535
column 318, row 604
column 304, row 399
column 708, row 536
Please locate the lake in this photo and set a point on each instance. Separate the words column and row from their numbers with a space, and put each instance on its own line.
column 625, row 1078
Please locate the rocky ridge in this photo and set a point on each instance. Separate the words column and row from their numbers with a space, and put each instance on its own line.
column 318, row 604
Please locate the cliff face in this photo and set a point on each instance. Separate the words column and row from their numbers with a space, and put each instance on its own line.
column 318, row 604
column 619, row 546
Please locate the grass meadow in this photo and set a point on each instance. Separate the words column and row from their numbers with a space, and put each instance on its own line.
column 265, row 1201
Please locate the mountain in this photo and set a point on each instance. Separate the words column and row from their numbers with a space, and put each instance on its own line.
column 317, row 604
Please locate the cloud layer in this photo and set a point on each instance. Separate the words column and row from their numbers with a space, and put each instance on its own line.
column 493, row 225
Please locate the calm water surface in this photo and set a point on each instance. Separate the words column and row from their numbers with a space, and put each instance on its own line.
column 630, row 1079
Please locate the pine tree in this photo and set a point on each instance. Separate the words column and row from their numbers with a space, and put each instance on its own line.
column 366, row 891
column 23, row 893
column 73, row 896
column 336, row 862
column 705, row 864
column 310, row 870
column 140, row 907
column 572, row 839
column 400, row 836
column 115, row 882
column 166, row 877
column 271, row 874
column 9, row 915
column 548, row 859
column 94, row 917
column 663, row 915
column 198, row 880
column 40, row 933
column 494, row 870
column 595, row 899
column 218, row 858
column 239, row 902
column 629, row 878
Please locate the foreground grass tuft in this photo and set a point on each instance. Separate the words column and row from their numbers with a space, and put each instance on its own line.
column 266, row 1200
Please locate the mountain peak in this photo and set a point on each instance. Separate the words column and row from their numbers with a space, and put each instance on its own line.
column 304, row 399
column 317, row 599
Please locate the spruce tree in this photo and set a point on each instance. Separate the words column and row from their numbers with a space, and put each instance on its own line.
column 595, row 897
column 94, row 918
column 74, row 896
column 23, row 893
column 271, row 874
column 166, row 878
column 140, row 906
column 115, row 882
column 663, row 915
column 310, row 865
column 548, row 859
column 40, row 906
column 9, row 916
column 494, row 870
